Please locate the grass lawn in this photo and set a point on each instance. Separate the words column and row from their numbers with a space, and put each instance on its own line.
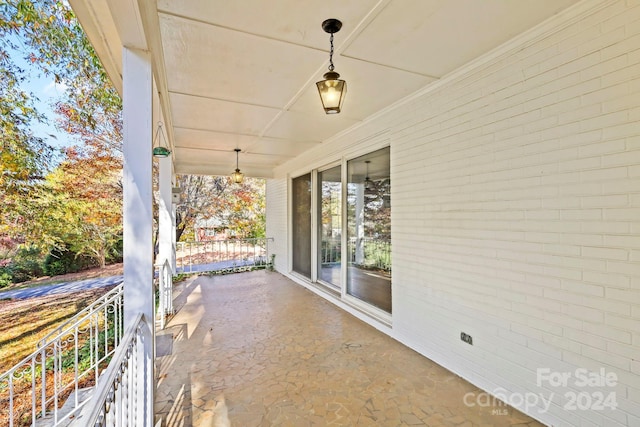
column 24, row 322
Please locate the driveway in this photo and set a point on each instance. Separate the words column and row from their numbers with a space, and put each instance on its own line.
column 81, row 285
column 60, row 288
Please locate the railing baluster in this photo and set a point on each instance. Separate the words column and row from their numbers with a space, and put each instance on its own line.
column 34, row 395
column 56, row 366
column 105, row 320
column 43, row 379
column 75, row 363
column 93, row 344
column 56, row 362
column 11, row 400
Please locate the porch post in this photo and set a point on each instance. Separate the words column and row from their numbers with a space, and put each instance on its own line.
column 174, row 246
column 137, row 214
column 359, row 249
column 165, row 212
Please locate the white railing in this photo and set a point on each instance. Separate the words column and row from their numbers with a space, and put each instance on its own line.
column 370, row 252
column 34, row 391
column 97, row 305
column 121, row 398
column 221, row 254
column 330, row 251
column 165, row 293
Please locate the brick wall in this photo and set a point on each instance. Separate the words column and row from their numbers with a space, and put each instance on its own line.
column 516, row 212
column 276, row 200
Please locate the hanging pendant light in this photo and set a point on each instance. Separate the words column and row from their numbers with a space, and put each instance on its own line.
column 160, row 151
column 237, row 176
column 332, row 90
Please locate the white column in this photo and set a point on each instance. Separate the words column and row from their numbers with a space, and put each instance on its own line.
column 359, row 223
column 137, row 210
column 165, row 211
column 174, row 246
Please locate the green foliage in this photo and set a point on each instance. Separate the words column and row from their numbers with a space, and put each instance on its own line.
column 5, row 277
column 63, row 261
column 78, row 207
column 114, row 254
column 180, row 277
column 26, row 265
column 23, row 155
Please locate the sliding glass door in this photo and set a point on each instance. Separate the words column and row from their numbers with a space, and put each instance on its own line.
column 369, row 229
column 343, row 241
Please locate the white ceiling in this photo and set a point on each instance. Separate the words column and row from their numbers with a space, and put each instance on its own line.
column 242, row 73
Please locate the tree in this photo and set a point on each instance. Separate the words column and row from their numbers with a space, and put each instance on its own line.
column 246, row 209
column 239, row 206
column 199, row 195
column 79, row 204
column 23, row 156
column 91, row 184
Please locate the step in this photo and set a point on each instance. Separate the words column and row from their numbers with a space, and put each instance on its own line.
column 84, row 394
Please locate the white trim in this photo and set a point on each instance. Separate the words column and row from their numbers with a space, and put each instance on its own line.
column 331, row 165
column 338, row 163
column 373, row 311
column 289, row 247
column 314, row 226
column 344, row 242
column 100, row 29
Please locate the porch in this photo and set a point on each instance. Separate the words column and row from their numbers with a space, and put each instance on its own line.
column 504, row 137
column 256, row 349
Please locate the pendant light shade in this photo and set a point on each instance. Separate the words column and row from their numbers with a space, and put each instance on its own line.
column 237, row 176
column 332, row 92
column 332, row 89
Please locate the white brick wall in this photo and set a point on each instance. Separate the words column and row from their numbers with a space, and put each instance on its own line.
column 276, row 196
column 516, row 212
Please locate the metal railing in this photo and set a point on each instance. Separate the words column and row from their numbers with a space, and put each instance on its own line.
column 370, row 253
column 121, row 397
column 330, row 251
column 221, row 254
column 96, row 305
column 34, row 391
column 165, row 293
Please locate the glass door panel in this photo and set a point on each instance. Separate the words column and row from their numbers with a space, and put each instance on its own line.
column 301, row 227
column 369, row 229
column 330, row 226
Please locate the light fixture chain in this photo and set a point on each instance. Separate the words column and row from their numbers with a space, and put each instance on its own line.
column 331, row 67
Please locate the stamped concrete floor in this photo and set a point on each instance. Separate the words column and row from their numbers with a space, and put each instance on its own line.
column 255, row 349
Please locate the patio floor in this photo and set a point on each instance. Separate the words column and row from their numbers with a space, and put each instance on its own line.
column 256, row 349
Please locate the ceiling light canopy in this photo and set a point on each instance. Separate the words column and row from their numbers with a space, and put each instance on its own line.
column 237, row 176
column 332, row 90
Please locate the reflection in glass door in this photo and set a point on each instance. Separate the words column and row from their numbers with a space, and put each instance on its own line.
column 301, row 229
column 369, row 229
column 329, row 226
